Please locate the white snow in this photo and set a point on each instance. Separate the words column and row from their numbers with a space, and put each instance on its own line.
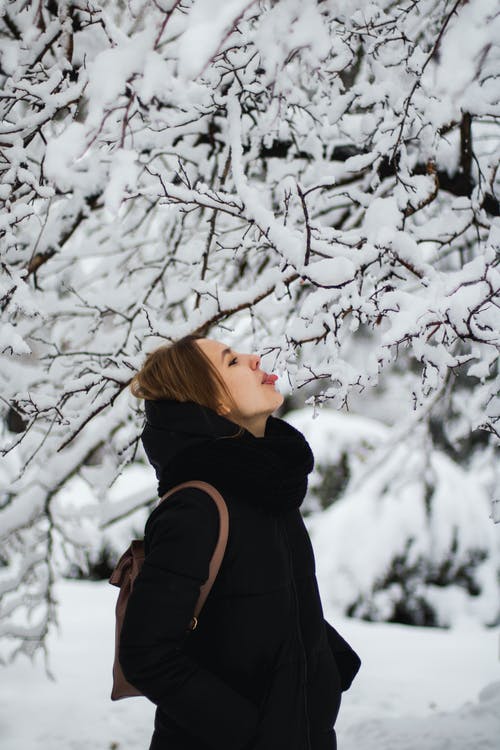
column 417, row 688
column 382, row 509
column 209, row 21
column 11, row 340
column 122, row 174
column 330, row 271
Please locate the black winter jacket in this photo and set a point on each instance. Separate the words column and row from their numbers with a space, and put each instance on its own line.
column 263, row 670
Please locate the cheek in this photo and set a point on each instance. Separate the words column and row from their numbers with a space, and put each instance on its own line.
column 242, row 390
column 248, row 394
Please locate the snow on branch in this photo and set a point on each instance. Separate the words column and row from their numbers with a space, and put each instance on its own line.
column 327, row 180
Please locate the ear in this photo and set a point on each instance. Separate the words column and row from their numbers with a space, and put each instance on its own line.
column 223, row 409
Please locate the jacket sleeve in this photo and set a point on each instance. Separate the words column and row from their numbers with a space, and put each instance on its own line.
column 348, row 661
column 181, row 536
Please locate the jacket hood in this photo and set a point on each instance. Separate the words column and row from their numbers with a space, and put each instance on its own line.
column 173, row 427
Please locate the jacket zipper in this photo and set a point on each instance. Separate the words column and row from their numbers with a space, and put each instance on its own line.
column 299, row 634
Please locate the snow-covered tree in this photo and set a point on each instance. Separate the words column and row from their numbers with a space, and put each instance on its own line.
column 406, row 535
column 313, row 179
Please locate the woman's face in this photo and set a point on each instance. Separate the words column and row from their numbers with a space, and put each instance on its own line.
column 243, row 377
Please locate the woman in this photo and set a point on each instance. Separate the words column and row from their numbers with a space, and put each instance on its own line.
column 262, row 670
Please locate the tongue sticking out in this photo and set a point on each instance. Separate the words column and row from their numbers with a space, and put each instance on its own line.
column 270, row 379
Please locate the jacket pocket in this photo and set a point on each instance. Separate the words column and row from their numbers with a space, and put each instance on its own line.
column 282, row 719
column 348, row 661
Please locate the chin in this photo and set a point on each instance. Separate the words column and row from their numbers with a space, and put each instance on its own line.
column 278, row 401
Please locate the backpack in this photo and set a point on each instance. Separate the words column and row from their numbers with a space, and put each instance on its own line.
column 129, row 566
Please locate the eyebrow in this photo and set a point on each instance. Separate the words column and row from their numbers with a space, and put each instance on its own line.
column 224, row 352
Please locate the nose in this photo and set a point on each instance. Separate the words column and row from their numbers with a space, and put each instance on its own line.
column 254, row 361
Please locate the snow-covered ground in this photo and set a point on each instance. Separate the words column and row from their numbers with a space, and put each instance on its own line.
column 417, row 688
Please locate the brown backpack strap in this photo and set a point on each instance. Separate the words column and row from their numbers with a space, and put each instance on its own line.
column 220, row 547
